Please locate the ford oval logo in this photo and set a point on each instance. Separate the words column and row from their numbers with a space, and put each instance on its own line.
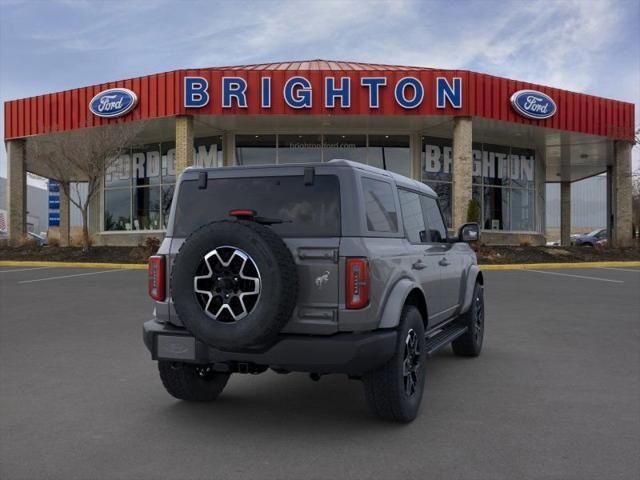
column 533, row 104
column 114, row 102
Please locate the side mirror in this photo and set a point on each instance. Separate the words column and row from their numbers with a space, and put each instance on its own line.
column 469, row 232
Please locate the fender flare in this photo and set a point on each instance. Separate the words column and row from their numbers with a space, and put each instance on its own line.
column 396, row 299
column 472, row 276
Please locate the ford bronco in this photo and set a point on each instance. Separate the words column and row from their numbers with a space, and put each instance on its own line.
column 332, row 267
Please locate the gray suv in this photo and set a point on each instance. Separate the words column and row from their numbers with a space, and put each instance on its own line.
column 322, row 268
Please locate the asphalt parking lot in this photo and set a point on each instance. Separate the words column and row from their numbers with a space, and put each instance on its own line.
column 555, row 394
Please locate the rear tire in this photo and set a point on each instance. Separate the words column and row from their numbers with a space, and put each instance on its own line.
column 195, row 383
column 394, row 391
column 470, row 343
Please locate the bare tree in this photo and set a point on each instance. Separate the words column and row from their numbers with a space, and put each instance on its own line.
column 82, row 156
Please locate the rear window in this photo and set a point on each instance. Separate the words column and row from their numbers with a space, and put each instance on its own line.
column 306, row 210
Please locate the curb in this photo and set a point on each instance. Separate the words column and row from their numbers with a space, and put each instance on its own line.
column 549, row 266
column 20, row 263
column 143, row 266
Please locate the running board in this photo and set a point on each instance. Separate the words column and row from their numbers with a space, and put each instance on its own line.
column 447, row 335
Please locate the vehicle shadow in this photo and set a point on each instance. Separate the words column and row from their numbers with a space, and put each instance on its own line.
column 270, row 402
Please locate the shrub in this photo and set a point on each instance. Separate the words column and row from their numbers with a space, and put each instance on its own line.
column 473, row 211
column 151, row 245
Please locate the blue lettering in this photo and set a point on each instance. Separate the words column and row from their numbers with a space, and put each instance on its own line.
column 234, row 87
column 195, row 92
column 445, row 92
column 400, row 92
column 266, row 92
column 331, row 92
column 374, row 84
column 297, row 92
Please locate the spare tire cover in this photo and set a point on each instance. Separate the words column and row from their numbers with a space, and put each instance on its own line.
column 234, row 284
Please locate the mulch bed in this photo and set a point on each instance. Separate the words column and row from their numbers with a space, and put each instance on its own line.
column 504, row 255
column 486, row 255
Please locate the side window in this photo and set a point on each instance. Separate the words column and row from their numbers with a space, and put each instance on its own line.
column 380, row 206
column 412, row 216
column 436, row 231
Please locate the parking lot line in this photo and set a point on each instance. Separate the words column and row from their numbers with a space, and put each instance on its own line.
column 70, row 276
column 576, row 276
column 24, row 269
column 637, row 270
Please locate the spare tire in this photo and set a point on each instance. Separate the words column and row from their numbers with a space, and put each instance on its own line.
column 234, row 284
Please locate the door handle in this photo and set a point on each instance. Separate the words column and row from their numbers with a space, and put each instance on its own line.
column 419, row 265
column 444, row 262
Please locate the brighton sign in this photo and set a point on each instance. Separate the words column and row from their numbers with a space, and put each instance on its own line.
column 533, row 104
column 113, row 103
column 298, row 93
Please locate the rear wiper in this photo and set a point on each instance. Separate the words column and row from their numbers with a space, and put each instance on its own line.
column 251, row 215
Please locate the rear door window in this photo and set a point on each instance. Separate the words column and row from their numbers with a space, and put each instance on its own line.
column 380, row 206
column 305, row 210
column 412, row 217
column 436, row 231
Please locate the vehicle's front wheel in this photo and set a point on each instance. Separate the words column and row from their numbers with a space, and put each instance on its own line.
column 196, row 383
column 470, row 343
column 394, row 392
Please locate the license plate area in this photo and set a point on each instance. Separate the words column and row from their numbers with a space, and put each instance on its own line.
column 175, row 347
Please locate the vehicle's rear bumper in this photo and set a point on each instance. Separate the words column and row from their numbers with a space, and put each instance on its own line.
column 351, row 353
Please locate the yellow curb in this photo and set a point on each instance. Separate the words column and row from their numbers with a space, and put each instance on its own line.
column 525, row 266
column 19, row 263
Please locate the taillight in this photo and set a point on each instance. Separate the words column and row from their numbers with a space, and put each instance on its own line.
column 357, row 283
column 156, row 277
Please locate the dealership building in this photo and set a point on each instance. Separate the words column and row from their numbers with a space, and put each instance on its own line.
column 478, row 140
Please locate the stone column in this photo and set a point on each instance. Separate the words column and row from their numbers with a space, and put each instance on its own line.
column 184, row 143
column 462, row 169
column 65, row 216
column 16, row 191
column 228, row 149
column 565, row 213
column 621, row 235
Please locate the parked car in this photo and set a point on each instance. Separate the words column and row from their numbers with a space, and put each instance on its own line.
column 323, row 268
column 591, row 239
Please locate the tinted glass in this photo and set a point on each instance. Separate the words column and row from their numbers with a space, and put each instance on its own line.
column 255, row 149
column 208, row 151
column 380, row 206
column 306, row 210
column 496, row 208
column 299, row 148
column 117, row 209
column 443, row 190
column 437, row 162
column 390, row 152
column 146, row 208
column 412, row 216
column 436, row 231
column 522, row 210
column 348, row 147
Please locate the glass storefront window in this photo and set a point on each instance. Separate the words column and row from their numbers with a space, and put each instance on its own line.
column 522, row 167
column 117, row 209
column 168, row 162
column 146, row 208
column 299, row 148
column 437, row 161
column 208, row 152
column 145, row 165
column 166, row 198
column 390, row 152
column 495, row 165
column 521, row 211
column 255, row 149
column 118, row 174
column 496, row 204
column 347, row 147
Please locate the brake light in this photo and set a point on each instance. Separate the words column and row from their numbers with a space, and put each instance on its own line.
column 357, row 283
column 157, row 277
column 242, row 213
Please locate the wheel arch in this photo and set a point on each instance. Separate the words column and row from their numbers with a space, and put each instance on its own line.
column 404, row 292
column 475, row 275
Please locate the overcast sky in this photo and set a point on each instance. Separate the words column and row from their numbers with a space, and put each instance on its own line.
column 581, row 45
